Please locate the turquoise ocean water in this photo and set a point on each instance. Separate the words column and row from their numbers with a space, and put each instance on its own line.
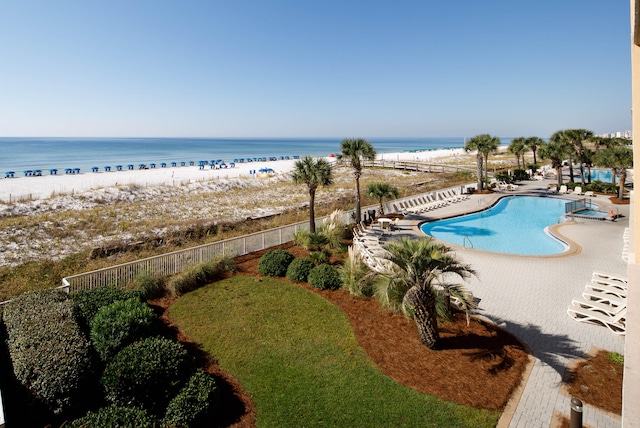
column 19, row 154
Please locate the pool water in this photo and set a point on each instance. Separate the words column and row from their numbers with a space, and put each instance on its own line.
column 599, row 174
column 515, row 225
column 592, row 213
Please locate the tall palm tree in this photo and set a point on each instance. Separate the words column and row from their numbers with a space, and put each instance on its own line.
column 518, row 147
column 379, row 191
column 487, row 147
column 533, row 143
column 421, row 275
column 555, row 150
column 313, row 173
column 575, row 139
column 474, row 145
column 619, row 159
column 354, row 151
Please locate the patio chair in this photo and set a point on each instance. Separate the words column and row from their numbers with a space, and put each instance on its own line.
column 563, row 189
column 615, row 323
column 601, row 296
column 578, row 190
column 599, row 306
column 590, row 194
column 609, row 278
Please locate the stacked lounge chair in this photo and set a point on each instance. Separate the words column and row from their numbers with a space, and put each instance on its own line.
column 428, row 202
column 603, row 302
column 366, row 241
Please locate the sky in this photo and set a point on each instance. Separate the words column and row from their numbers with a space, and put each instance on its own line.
column 284, row 68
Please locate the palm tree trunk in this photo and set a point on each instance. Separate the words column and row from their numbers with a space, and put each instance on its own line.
column 486, row 168
column 424, row 305
column 559, row 175
column 479, row 172
column 571, row 169
column 535, row 161
column 312, row 211
column 357, row 198
column 621, row 180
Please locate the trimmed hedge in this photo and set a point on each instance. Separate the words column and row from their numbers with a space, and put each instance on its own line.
column 275, row 262
column 299, row 269
column 325, row 277
column 50, row 355
column 147, row 374
column 195, row 404
column 114, row 416
column 87, row 303
column 119, row 324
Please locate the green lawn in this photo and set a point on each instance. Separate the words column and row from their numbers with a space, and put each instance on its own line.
column 296, row 354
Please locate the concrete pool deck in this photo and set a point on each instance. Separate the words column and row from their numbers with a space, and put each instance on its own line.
column 529, row 297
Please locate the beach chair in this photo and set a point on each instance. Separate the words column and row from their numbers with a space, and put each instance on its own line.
column 563, row 189
column 599, row 305
column 590, row 194
column 578, row 190
column 609, row 278
column 615, row 323
column 610, row 297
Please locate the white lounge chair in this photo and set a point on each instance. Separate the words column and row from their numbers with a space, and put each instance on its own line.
column 609, row 278
column 563, row 189
column 590, row 194
column 577, row 190
column 600, row 306
column 615, row 323
column 601, row 296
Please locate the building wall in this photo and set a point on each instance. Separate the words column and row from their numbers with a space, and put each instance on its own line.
column 631, row 382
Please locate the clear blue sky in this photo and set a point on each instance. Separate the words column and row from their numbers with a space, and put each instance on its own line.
column 268, row 68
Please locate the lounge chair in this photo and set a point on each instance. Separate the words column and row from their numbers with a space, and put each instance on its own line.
column 615, row 322
column 563, row 189
column 602, row 296
column 578, row 190
column 609, row 278
column 590, row 194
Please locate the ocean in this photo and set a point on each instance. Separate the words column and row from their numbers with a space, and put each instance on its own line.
column 19, row 154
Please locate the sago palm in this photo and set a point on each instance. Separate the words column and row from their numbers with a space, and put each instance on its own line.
column 422, row 274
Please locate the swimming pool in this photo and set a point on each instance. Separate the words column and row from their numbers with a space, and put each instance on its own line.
column 599, row 174
column 516, row 225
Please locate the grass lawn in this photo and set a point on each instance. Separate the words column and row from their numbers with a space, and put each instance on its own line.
column 296, row 355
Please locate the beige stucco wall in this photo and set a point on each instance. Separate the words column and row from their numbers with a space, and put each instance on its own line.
column 631, row 381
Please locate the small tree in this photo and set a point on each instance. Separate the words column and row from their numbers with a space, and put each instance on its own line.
column 354, row 151
column 518, row 148
column 619, row 159
column 533, row 143
column 380, row 191
column 555, row 150
column 313, row 173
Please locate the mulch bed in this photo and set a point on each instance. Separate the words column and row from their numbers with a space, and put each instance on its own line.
column 479, row 365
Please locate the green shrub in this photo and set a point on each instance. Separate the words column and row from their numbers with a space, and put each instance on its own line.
column 194, row 404
column 119, row 324
column 356, row 276
column 503, row 176
column 114, row 416
column 87, row 303
column 198, row 275
column 50, row 355
column 320, row 257
column 299, row 269
column 275, row 262
column 147, row 374
column 520, row 175
column 325, row 277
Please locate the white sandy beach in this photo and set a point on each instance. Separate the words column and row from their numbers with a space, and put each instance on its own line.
column 22, row 188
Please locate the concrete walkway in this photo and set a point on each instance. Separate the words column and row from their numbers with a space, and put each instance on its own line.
column 529, row 297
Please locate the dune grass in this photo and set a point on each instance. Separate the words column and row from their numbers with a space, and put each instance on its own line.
column 296, row 355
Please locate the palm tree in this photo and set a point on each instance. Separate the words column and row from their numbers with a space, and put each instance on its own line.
column 555, row 150
column 421, row 273
column 533, row 143
column 354, row 151
column 379, row 191
column 575, row 139
column 488, row 146
column 619, row 159
column 313, row 173
column 473, row 145
column 518, row 147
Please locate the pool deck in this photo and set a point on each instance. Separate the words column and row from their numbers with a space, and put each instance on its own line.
column 529, row 297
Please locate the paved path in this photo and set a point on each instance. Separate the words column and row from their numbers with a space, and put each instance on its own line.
column 529, row 296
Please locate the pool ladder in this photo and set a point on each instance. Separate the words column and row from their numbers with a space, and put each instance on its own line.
column 465, row 238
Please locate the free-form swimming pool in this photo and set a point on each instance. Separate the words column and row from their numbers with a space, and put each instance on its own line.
column 515, row 225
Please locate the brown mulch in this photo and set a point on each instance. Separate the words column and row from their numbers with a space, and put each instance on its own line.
column 479, row 365
column 597, row 381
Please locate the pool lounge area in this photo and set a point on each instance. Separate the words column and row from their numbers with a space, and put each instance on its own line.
column 529, row 295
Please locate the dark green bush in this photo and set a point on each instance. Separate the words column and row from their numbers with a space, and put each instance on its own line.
column 119, row 324
column 147, row 374
column 275, row 262
column 325, row 277
column 87, row 303
column 199, row 275
column 194, row 404
column 50, row 355
column 520, row 175
column 320, row 257
column 114, row 416
column 299, row 269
